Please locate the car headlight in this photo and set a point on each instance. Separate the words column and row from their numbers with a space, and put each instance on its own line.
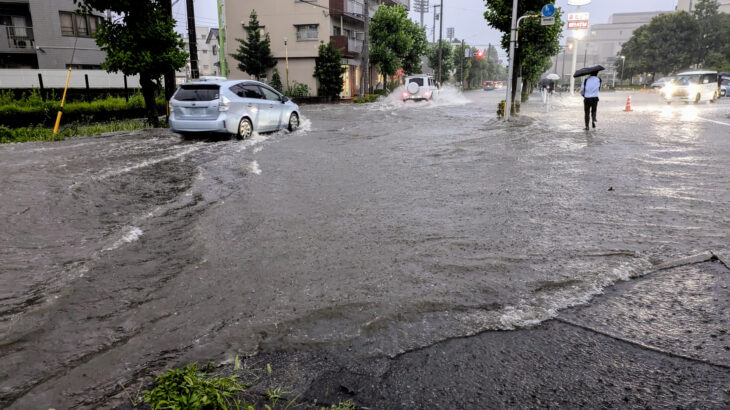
column 668, row 90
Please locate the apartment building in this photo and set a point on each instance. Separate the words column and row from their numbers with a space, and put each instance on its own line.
column 44, row 33
column 208, row 54
column 296, row 28
column 689, row 5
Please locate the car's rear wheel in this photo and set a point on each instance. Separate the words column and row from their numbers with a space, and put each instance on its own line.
column 714, row 97
column 293, row 121
column 697, row 98
column 245, row 129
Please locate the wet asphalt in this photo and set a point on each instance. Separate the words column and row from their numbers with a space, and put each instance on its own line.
column 384, row 252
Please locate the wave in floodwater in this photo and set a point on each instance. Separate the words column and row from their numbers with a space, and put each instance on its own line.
column 448, row 95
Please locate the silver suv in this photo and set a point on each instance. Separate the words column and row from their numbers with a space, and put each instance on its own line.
column 237, row 107
column 419, row 87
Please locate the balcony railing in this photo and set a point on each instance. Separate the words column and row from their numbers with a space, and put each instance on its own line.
column 347, row 46
column 20, row 37
column 349, row 8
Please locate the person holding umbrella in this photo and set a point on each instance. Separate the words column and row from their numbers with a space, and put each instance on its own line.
column 589, row 90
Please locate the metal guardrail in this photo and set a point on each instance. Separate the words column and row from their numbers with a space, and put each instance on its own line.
column 20, row 37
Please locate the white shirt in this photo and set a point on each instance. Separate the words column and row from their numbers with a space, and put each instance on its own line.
column 589, row 87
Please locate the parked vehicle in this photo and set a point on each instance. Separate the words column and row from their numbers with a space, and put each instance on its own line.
column 725, row 87
column 419, row 87
column 237, row 107
column 660, row 83
column 694, row 86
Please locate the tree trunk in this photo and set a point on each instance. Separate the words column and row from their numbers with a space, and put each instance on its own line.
column 525, row 91
column 149, row 89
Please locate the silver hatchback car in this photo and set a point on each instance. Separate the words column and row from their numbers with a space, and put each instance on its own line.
column 237, row 107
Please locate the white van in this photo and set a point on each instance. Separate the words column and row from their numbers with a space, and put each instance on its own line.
column 692, row 86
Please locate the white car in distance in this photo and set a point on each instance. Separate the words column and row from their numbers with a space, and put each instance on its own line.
column 419, row 87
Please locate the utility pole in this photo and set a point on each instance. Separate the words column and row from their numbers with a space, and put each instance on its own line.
column 513, row 31
column 441, row 32
column 192, row 41
column 169, row 74
column 435, row 16
column 222, row 38
column 365, row 84
column 463, row 51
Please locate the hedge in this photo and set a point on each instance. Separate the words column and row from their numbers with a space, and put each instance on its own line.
column 32, row 110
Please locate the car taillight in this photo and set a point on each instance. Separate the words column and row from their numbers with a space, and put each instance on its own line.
column 427, row 93
column 224, row 104
column 405, row 94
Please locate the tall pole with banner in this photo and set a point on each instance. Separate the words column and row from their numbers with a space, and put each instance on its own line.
column 577, row 22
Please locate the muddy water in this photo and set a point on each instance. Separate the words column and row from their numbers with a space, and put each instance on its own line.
column 379, row 228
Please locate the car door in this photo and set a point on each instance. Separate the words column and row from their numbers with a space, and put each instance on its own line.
column 252, row 100
column 274, row 106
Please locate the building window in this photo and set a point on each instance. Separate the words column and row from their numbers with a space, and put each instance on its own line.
column 205, row 51
column 215, row 50
column 307, row 32
column 76, row 25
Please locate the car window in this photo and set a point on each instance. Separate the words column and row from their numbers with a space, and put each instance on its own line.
column 252, row 91
column 237, row 89
column 197, row 92
column 417, row 80
column 688, row 79
column 270, row 94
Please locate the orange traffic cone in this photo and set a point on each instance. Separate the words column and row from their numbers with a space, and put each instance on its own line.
column 628, row 104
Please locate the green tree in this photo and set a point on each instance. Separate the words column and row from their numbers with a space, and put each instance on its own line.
column 653, row 47
column 126, row 41
column 447, row 59
column 328, row 70
column 412, row 59
column 390, row 38
column 254, row 54
column 536, row 42
column 709, row 29
column 276, row 80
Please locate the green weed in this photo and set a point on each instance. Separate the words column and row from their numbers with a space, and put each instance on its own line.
column 189, row 388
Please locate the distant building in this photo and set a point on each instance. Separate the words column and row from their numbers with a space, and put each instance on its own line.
column 602, row 42
column 43, row 34
column 304, row 24
column 208, row 54
column 689, row 5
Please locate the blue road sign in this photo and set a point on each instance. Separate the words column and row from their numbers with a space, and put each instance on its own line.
column 548, row 10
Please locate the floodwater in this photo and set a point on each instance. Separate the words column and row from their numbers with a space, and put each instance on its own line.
column 380, row 228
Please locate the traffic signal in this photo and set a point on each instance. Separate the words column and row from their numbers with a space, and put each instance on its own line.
column 570, row 46
column 480, row 53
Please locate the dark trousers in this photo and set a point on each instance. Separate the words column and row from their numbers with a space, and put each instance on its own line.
column 590, row 106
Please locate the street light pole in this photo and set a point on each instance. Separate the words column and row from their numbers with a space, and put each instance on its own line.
column 508, row 100
column 441, row 31
column 286, row 59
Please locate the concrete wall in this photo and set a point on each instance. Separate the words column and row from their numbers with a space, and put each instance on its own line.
column 53, row 49
column 689, row 5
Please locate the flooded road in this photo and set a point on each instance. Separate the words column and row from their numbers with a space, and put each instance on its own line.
column 379, row 228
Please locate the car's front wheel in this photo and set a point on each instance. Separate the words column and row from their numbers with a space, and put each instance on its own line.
column 293, row 121
column 714, row 97
column 697, row 98
column 245, row 129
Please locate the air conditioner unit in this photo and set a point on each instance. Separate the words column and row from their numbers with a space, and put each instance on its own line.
column 360, row 35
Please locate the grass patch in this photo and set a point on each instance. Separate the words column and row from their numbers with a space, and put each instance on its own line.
column 39, row 133
column 194, row 388
column 189, row 388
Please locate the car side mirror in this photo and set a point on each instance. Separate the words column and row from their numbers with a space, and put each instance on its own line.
column 284, row 99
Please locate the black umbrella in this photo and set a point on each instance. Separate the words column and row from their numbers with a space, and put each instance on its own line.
column 545, row 82
column 588, row 70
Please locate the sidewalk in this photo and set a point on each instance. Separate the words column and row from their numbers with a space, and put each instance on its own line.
column 656, row 341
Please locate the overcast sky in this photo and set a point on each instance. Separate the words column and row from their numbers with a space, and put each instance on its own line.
column 466, row 16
